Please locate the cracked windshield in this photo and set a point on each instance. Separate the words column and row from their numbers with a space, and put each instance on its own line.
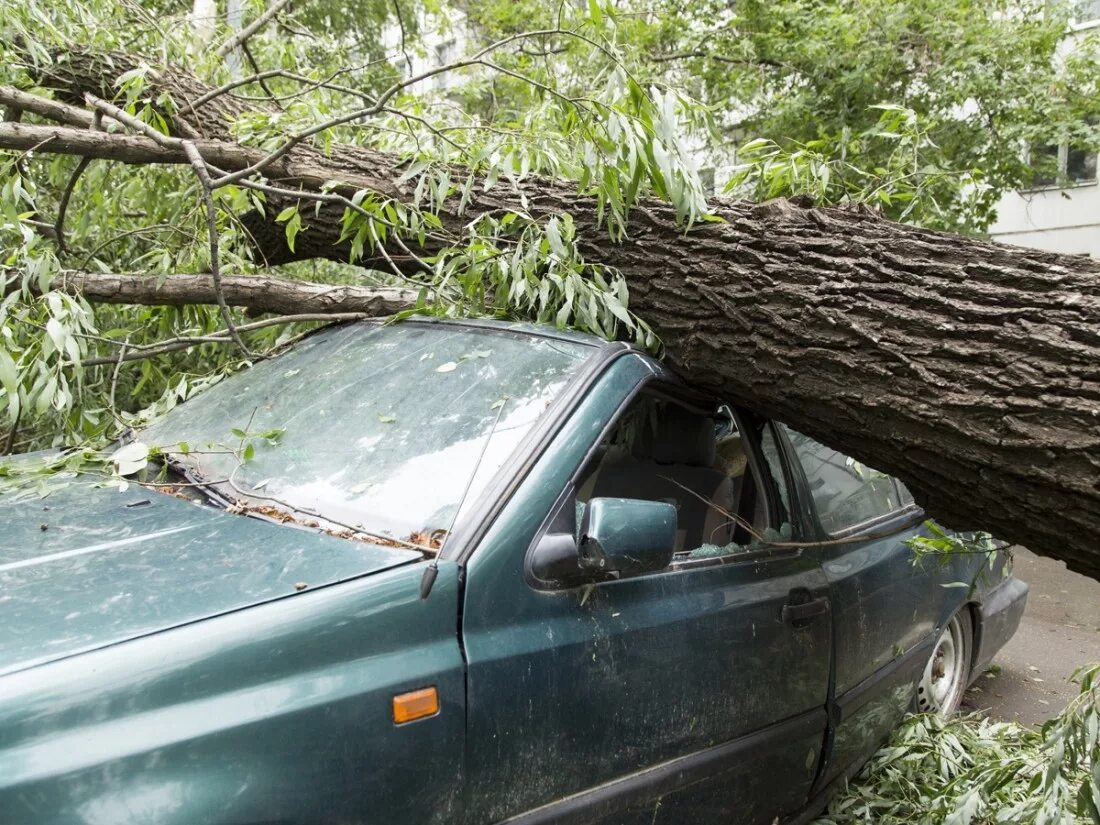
column 377, row 429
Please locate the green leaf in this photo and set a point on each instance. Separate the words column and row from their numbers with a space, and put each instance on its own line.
column 594, row 12
column 57, row 332
column 9, row 376
column 46, row 395
column 553, row 235
column 619, row 311
column 293, row 227
column 130, row 458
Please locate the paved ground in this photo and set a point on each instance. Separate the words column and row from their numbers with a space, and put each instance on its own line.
column 1060, row 631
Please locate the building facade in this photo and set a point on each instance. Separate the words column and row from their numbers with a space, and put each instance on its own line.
column 1060, row 212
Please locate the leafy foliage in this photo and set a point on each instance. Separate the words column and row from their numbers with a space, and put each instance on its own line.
column 894, row 166
column 943, row 545
column 599, row 127
column 980, row 81
column 969, row 770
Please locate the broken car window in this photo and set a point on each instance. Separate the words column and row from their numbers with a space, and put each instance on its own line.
column 661, row 451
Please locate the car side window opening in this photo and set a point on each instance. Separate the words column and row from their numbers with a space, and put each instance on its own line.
column 846, row 493
column 660, row 450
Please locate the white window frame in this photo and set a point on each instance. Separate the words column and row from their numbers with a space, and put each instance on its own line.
column 1062, row 182
column 1091, row 11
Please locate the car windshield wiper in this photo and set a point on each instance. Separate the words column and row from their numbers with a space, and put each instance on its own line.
column 257, row 505
column 432, row 570
column 190, row 479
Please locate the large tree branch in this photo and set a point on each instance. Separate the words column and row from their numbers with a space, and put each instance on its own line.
column 50, row 109
column 307, row 168
column 256, row 293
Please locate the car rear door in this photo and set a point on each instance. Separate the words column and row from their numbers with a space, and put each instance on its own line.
column 886, row 604
column 679, row 696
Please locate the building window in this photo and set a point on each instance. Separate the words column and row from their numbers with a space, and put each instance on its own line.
column 1062, row 164
column 1086, row 11
column 1045, row 163
column 445, row 53
column 1080, row 165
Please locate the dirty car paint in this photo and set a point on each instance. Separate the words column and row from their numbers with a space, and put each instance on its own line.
column 672, row 698
column 86, row 567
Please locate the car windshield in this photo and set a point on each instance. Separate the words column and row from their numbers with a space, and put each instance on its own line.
column 378, row 428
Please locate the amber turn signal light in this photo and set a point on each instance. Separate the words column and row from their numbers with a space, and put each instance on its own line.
column 417, row 704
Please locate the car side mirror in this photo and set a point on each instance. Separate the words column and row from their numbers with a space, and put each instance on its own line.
column 627, row 536
column 618, row 536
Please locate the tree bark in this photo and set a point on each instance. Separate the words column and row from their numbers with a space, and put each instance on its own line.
column 969, row 370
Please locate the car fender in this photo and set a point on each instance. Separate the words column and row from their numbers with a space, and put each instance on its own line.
column 280, row 712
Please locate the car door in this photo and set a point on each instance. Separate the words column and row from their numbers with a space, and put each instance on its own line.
column 677, row 696
column 886, row 604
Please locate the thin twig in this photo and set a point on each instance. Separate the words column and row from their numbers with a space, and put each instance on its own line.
column 256, row 68
column 705, row 55
column 140, row 352
column 401, row 26
column 43, row 228
column 10, row 442
column 286, row 75
column 63, row 204
column 199, row 165
column 114, row 378
column 477, row 59
column 240, row 37
column 141, row 230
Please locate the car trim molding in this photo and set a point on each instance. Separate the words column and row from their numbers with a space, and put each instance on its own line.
column 862, row 693
column 658, row 780
column 472, row 528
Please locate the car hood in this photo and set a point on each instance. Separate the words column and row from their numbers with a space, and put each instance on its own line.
column 85, row 567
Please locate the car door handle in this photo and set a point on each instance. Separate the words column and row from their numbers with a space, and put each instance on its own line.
column 800, row 615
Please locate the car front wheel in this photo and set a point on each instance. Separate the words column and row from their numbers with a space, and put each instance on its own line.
column 941, row 688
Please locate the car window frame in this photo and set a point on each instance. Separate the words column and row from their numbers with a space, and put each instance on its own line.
column 472, row 527
column 913, row 510
column 695, row 400
column 803, row 516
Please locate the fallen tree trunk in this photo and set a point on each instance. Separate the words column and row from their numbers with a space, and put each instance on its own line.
column 968, row 369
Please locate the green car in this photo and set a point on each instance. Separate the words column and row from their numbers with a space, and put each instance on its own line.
column 447, row 572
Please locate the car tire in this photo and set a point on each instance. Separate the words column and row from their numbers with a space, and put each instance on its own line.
column 947, row 674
